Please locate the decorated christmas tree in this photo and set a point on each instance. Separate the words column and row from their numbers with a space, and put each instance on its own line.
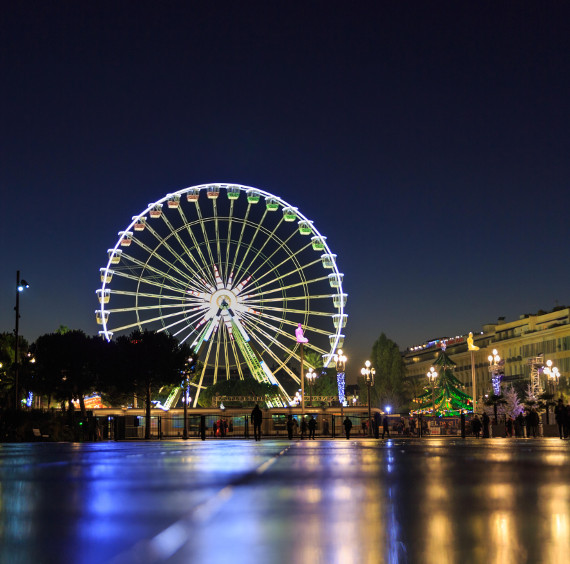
column 447, row 391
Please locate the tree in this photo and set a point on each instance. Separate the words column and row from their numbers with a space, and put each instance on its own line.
column 513, row 406
column 149, row 361
column 390, row 369
column 66, row 366
column 447, row 392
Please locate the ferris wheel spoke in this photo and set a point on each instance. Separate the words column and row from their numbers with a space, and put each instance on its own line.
column 189, row 299
column 148, row 267
column 217, row 232
column 175, row 233
column 243, row 225
column 205, row 235
column 283, row 321
column 299, row 271
column 150, row 282
column 255, row 335
column 294, row 311
column 249, row 246
column 251, row 300
column 219, row 337
column 282, row 288
column 163, row 243
column 290, row 257
column 204, row 267
column 255, row 321
column 269, row 237
column 191, row 318
column 202, row 374
column 145, row 308
column 226, row 274
column 140, row 322
column 237, row 359
column 282, row 247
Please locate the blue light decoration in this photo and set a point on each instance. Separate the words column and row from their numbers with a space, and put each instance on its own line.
column 496, row 381
column 29, row 399
column 340, row 384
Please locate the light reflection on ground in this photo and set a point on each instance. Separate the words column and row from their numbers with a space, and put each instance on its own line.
column 437, row 500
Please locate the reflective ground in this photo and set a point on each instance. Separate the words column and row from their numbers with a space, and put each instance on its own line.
column 403, row 500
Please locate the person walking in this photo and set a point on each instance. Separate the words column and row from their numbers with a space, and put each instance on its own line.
column 476, row 426
column 533, row 420
column 486, row 422
column 303, row 428
column 347, row 427
column 312, row 427
column 560, row 417
column 290, row 427
column 257, row 419
column 385, row 427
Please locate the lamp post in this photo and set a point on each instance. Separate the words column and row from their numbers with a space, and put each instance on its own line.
column 494, row 369
column 553, row 376
column 21, row 285
column 311, row 377
column 368, row 374
column 432, row 377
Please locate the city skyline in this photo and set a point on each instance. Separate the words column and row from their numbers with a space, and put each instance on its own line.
column 429, row 145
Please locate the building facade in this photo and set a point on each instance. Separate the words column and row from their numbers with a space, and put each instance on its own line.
column 546, row 333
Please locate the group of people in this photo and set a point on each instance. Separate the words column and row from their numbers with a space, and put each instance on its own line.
column 220, row 427
column 347, row 424
column 529, row 420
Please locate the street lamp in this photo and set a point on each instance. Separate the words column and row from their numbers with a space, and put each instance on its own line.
column 21, row 285
column 368, row 372
column 553, row 377
column 494, row 369
column 432, row 377
column 311, row 377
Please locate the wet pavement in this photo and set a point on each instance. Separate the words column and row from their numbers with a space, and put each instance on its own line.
column 434, row 500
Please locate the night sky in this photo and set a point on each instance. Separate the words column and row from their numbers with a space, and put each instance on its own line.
column 429, row 141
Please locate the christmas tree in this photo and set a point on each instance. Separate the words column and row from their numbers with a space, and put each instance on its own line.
column 447, row 392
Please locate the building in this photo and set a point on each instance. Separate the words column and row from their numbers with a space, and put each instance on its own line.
column 516, row 342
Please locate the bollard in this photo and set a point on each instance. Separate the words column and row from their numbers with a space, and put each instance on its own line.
column 463, row 425
column 203, row 427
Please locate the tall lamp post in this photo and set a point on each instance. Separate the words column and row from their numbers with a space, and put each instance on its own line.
column 21, row 285
column 311, row 377
column 553, row 376
column 432, row 377
column 368, row 374
column 494, row 368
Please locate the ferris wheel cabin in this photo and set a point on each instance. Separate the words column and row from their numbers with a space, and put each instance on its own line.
column 106, row 275
column 213, row 192
column 193, row 194
column 173, row 201
column 126, row 238
column 114, row 255
column 233, row 192
column 305, row 227
column 139, row 223
column 103, row 295
column 156, row 211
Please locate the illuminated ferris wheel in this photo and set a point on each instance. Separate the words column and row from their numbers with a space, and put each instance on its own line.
column 232, row 271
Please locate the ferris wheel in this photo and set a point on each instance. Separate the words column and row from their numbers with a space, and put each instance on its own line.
column 231, row 270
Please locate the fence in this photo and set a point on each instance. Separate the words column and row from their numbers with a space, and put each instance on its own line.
column 274, row 424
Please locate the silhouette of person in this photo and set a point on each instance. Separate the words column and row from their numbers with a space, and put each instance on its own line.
column 385, row 427
column 256, row 418
column 290, row 426
column 347, row 427
column 312, row 427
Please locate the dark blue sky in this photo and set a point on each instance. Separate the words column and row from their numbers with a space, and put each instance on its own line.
column 429, row 141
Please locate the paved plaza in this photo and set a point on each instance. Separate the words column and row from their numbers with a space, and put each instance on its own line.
column 440, row 500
